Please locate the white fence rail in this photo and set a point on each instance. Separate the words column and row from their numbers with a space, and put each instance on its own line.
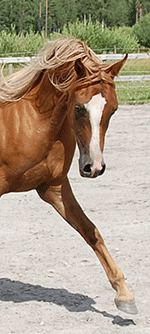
column 119, row 56
column 103, row 57
column 15, row 60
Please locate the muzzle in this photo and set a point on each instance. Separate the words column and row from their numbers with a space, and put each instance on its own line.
column 89, row 170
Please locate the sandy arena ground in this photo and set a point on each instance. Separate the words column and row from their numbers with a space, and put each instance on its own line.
column 51, row 281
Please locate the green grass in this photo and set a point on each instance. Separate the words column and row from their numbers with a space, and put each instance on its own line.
column 136, row 67
column 135, row 92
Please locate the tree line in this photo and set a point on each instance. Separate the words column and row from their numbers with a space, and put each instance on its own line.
column 52, row 15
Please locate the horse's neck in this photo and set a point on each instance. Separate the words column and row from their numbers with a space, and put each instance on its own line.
column 44, row 95
column 50, row 102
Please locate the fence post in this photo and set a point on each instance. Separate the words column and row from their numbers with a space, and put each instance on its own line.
column 115, row 49
column 10, row 68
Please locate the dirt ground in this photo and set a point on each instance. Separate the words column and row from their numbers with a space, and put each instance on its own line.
column 51, row 281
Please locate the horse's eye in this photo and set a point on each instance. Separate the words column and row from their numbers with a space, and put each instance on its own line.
column 79, row 111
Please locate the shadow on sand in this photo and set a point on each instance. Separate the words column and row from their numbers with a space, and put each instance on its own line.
column 19, row 292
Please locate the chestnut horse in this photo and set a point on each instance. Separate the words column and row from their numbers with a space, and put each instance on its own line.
column 65, row 96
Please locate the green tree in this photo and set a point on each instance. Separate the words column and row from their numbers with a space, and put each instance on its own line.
column 10, row 13
column 19, row 13
column 30, row 15
column 132, row 5
column 117, row 13
column 142, row 30
column 62, row 12
column 27, row 14
column 70, row 8
column 145, row 4
column 94, row 9
column 58, row 14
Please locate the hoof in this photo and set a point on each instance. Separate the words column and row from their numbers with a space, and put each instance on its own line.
column 127, row 306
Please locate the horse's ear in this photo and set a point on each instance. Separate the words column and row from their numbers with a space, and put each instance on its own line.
column 79, row 68
column 115, row 68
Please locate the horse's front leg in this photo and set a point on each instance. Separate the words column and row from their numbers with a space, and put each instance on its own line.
column 63, row 200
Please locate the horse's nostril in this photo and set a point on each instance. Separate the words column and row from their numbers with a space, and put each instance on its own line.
column 87, row 169
column 102, row 170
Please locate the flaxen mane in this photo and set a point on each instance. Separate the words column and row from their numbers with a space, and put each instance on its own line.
column 58, row 59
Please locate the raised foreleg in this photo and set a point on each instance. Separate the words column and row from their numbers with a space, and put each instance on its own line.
column 63, row 200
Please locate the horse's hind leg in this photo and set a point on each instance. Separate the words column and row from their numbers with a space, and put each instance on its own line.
column 64, row 202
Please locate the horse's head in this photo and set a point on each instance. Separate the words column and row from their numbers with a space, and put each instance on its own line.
column 94, row 106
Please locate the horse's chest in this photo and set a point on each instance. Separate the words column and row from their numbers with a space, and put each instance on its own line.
column 30, row 154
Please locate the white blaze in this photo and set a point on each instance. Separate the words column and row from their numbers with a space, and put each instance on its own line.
column 95, row 107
